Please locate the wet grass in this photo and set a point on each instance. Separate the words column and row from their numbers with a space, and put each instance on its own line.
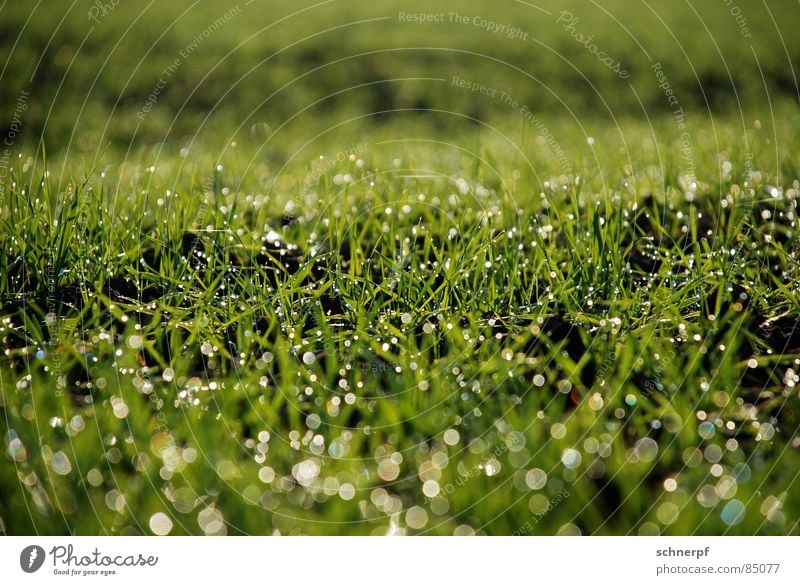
column 416, row 339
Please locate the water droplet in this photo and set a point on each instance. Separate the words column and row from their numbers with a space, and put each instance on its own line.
column 313, row 421
column 536, row 478
column 60, row 463
column 160, row 524
column 706, row 430
column 492, row 467
column 667, row 513
column 451, row 437
column 430, row 488
column 571, row 458
column 646, row 449
column 347, row 491
column 266, row 474
column 733, row 513
column 416, row 517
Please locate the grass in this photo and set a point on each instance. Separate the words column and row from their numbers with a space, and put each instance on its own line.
column 90, row 80
column 425, row 337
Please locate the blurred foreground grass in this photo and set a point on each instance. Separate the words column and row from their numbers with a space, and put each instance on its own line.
column 276, row 267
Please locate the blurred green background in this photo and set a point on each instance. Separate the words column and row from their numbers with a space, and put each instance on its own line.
column 90, row 68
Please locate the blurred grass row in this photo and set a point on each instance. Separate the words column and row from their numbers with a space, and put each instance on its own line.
column 264, row 62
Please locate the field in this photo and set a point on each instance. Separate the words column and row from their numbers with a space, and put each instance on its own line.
column 333, row 270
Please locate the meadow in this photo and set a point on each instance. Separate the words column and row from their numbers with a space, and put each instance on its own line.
column 327, row 270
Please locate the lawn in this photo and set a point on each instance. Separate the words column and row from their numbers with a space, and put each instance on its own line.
column 425, row 311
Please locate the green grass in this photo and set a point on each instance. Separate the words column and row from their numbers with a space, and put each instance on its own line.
column 250, row 343
column 89, row 80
